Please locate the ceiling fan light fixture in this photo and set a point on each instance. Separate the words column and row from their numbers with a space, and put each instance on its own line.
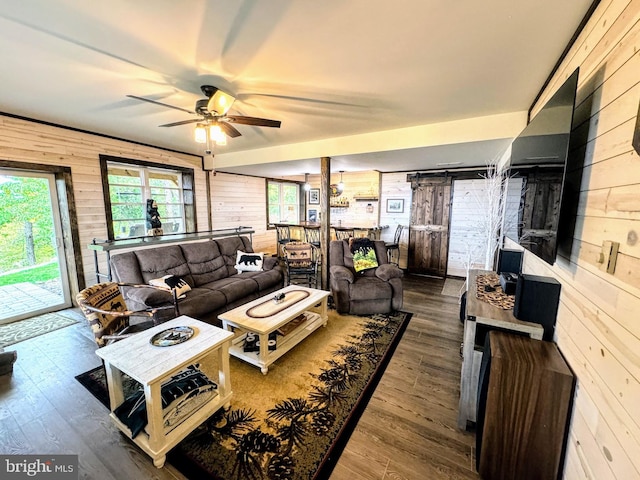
column 200, row 133
column 220, row 103
column 217, row 135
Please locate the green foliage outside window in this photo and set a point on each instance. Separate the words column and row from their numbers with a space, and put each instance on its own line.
column 283, row 199
column 26, row 207
column 130, row 187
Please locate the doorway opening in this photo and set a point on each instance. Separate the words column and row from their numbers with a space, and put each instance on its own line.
column 33, row 268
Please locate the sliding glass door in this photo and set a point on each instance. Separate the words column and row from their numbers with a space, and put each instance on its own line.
column 33, row 273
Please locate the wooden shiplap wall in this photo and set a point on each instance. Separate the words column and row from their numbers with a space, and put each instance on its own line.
column 365, row 183
column 241, row 200
column 598, row 326
column 30, row 142
column 467, row 226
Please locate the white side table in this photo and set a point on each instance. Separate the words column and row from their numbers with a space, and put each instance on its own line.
column 152, row 366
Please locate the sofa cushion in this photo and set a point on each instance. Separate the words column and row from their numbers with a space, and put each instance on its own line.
column 229, row 247
column 125, row 268
column 265, row 279
column 370, row 288
column 157, row 262
column 235, row 287
column 201, row 301
column 206, row 264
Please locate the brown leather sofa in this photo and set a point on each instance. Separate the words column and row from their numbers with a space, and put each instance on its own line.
column 209, row 269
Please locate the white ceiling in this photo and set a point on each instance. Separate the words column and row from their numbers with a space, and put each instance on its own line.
column 333, row 72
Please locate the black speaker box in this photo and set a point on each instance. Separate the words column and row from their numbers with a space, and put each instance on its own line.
column 509, row 261
column 536, row 301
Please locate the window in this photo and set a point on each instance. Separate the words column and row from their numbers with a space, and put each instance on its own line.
column 283, row 199
column 130, row 185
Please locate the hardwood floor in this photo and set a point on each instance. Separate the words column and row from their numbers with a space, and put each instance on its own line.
column 408, row 430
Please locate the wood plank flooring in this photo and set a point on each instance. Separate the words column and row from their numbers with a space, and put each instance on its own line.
column 408, row 430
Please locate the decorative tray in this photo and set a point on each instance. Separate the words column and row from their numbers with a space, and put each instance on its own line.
column 171, row 336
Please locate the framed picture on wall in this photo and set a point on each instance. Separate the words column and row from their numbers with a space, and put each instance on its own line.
column 314, row 196
column 313, row 215
column 395, row 205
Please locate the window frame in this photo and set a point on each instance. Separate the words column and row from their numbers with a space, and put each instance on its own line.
column 188, row 189
column 300, row 204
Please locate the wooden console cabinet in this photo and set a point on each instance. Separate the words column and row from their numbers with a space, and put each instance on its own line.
column 529, row 395
column 479, row 313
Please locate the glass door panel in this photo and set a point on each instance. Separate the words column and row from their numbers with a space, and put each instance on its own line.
column 33, row 272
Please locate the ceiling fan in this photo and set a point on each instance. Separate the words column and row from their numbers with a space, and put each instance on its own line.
column 213, row 112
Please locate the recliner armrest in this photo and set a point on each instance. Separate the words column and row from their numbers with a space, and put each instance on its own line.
column 387, row 271
column 339, row 272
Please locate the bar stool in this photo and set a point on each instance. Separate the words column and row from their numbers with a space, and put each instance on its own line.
column 344, row 233
column 393, row 247
column 312, row 235
column 283, row 233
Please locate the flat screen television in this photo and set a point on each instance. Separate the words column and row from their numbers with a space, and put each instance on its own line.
column 537, row 175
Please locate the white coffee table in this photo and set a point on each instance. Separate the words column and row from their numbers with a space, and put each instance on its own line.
column 263, row 316
column 152, row 365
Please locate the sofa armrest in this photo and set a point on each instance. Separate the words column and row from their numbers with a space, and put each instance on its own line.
column 269, row 263
column 151, row 297
column 388, row 271
column 339, row 272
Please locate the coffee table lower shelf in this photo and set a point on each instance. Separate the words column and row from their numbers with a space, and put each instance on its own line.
column 285, row 343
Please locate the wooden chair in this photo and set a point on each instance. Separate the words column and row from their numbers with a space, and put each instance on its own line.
column 344, row 233
column 394, row 247
column 283, row 234
column 104, row 307
column 301, row 260
column 312, row 236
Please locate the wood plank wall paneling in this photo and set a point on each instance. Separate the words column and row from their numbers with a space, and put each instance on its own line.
column 356, row 184
column 25, row 141
column 597, row 327
column 241, row 200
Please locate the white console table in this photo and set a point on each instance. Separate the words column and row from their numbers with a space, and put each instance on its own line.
column 479, row 312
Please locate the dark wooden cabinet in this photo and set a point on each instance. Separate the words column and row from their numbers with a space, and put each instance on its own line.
column 529, row 393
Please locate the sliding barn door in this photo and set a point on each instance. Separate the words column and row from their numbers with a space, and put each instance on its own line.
column 429, row 227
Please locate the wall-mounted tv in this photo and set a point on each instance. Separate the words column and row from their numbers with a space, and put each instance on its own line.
column 537, row 174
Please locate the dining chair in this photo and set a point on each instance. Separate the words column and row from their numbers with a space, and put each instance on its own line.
column 344, row 233
column 283, row 234
column 393, row 248
column 301, row 260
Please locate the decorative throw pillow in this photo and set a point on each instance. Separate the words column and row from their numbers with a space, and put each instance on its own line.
column 299, row 254
column 248, row 262
column 364, row 255
column 181, row 395
column 170, row 282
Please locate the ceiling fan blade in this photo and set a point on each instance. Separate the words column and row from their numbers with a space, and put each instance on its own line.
column 256, row 122
column 160, row 103
column 183, row 122
column 229, row 130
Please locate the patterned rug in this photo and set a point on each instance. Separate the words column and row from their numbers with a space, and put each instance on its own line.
column 294, row 422
column 32, row 327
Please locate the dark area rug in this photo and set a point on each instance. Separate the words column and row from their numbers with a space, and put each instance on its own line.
column 294, row 422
